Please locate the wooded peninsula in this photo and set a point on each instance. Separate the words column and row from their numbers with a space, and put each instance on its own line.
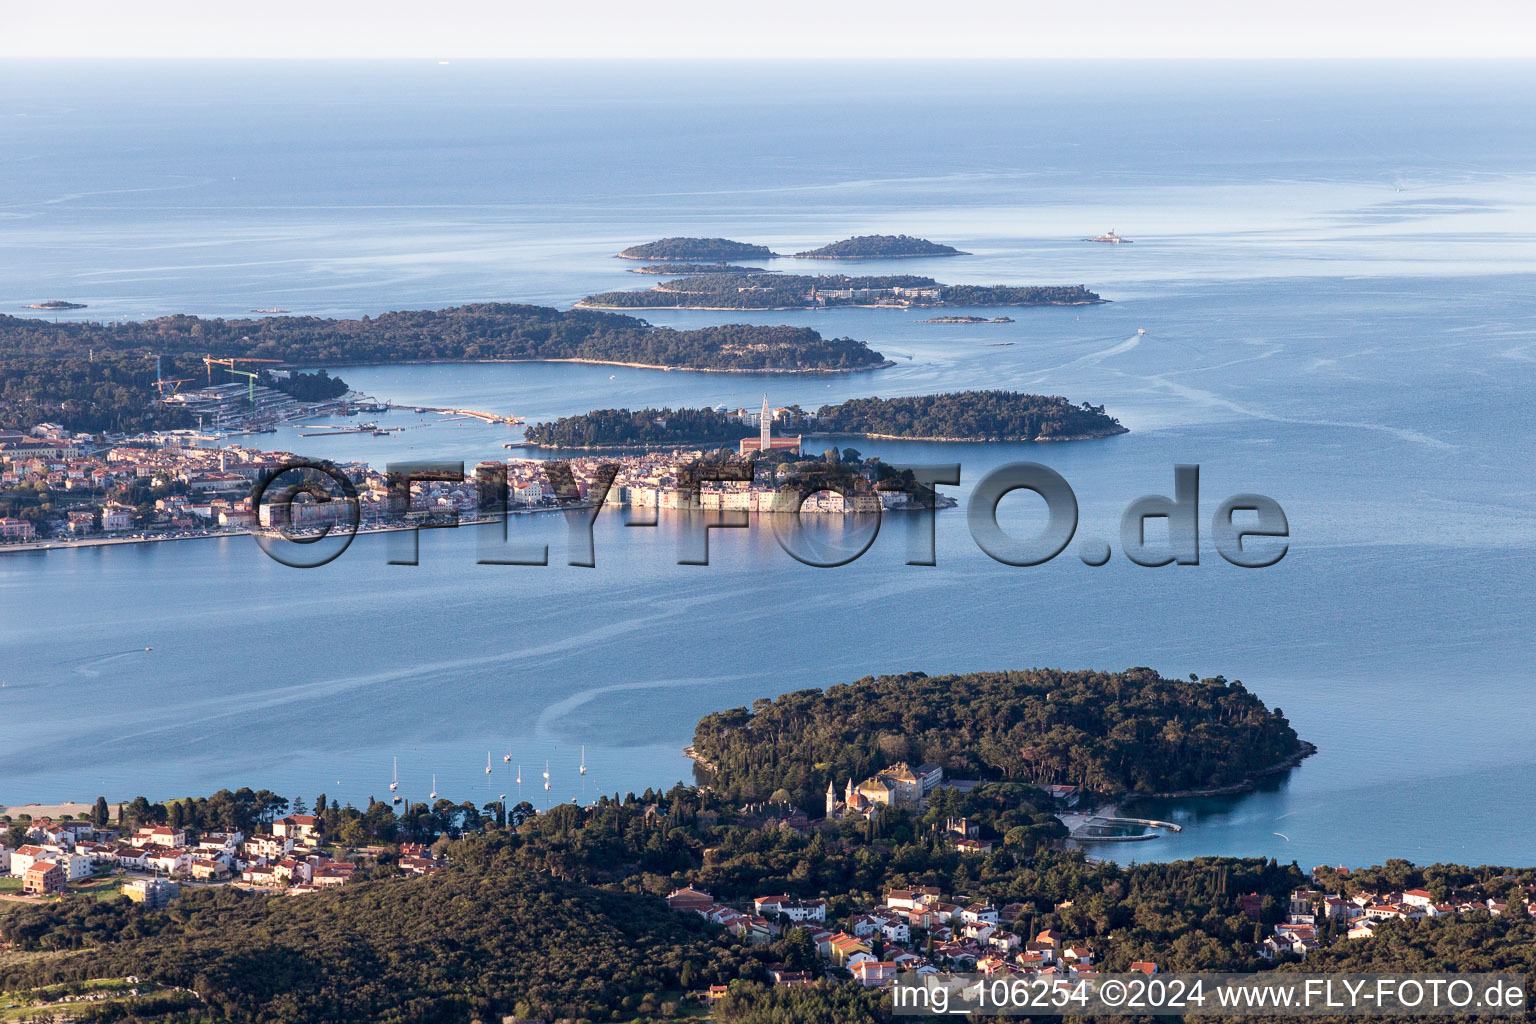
column 803, row 291
column 97, row 377
column 1107, row 732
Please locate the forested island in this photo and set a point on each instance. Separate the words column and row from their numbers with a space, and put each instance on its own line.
column 804, row 291
column 862, row 247
column 98, row 377
column 640, row 428
column 954, row 416
column 1107, row 732
column 968, row 320
column 710, row 249
column 674, row 269
column 54, row 304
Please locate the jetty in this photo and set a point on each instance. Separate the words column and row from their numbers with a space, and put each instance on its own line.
column 1099, row 828
column 489, row 417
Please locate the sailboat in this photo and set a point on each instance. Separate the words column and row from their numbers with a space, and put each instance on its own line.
column 546, row 776
column 487, row 762
column 433, row 795
column 506, row 758
column 583, row 760
column 395, row 783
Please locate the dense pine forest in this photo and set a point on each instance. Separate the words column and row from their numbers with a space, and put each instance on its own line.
column 1109, row 732
column 879, row 247
column 98, row 377
column 805, row 291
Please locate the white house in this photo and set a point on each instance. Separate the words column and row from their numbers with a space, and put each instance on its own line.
column 131, row 857
column 24, row 857
column 979, row 912
column 76, row 866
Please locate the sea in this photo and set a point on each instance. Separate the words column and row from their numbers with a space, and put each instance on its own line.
column 1328, row 301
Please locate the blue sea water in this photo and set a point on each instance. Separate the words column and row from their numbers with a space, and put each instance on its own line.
column 1332, row 266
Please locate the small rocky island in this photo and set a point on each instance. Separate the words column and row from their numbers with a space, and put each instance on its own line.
column 705, row 249
column 54, row 304
column 968, row 320
column 865, row 247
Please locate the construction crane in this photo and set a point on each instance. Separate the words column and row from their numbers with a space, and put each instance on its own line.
column 175, row 385
column 229, row 364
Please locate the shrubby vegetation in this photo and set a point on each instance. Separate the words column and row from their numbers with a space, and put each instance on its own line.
column 755, row 1003
column 804, row 291
column 1109, row 732
column 480, row 939
column 696, row 249
column 879, row 246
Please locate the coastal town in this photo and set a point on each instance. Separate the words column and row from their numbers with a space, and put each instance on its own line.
column 170, row 486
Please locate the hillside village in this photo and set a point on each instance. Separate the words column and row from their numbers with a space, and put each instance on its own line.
column 921, row 929
column 153, row 861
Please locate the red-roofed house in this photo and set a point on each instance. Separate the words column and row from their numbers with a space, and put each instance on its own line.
column 689, row 898
column 43, row 879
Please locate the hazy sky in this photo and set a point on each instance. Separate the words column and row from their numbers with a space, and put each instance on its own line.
column 777, row 28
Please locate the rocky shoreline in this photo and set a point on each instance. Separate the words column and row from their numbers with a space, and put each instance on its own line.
column 883, row 364
column 1248, row 782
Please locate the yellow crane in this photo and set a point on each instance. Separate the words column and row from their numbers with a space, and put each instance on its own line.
column 229, row 364
column 175, row 385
